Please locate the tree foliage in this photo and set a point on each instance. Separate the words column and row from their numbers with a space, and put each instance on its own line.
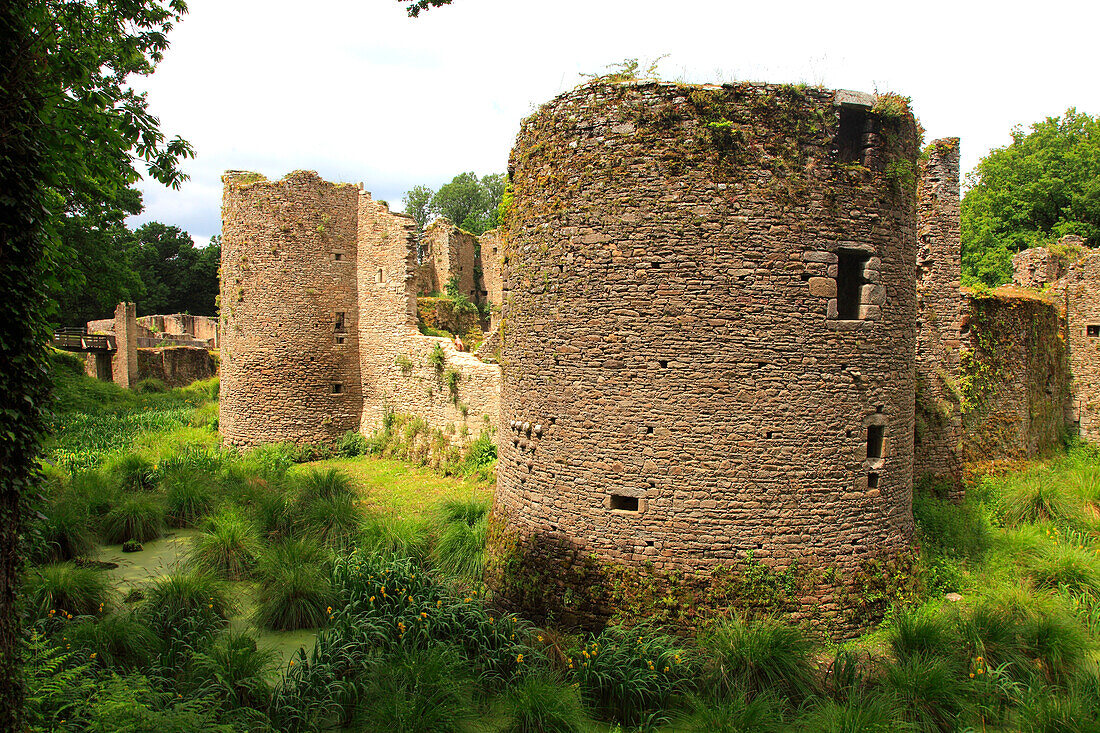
column 72, row 133
column 1043, row 186
column 415, row 7
column 467, row 201
column 176, row 276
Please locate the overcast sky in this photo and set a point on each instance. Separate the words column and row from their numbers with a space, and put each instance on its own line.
column 357, row 91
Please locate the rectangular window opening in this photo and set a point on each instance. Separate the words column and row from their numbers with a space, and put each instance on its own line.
column 341, row 339
column 624, row 503
column 337, row 388
column 339, row 321
column 849, row 282
column 337, row 256
column 872, row 481
column 875, row 434
column 381, row 276
column 849, row 136
column 1093, row 330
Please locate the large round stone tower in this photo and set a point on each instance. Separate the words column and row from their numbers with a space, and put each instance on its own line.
column 289, row 350
column 708, row 335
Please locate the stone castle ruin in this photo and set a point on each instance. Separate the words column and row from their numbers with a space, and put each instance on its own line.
column 726, row 327
column 127, row 349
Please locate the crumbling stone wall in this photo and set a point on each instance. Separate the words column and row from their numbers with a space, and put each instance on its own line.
column 1080, row 291
column 709, row 321
column 1069, row 272
column 939, row 317
column 451, row 252
column 176, row 366
column 289, row 354
column 1015, row 376
column 491, row 246
column 319, row 313
column 395, row 359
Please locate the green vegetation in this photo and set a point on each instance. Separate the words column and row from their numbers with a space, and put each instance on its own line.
column 1030, row 193
column 467, row 202
column 377, row 566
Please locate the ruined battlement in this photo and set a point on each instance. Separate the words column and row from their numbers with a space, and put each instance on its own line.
column 708, row 336
column 319, row 319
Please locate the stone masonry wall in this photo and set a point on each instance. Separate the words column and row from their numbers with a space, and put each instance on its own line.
column 1015, row 382
column 709, row 319
column 396, row 370
column 937, row 443
column 452, row 253
column 289, row 359
column 1080, row 294
column 124, row 362
column 491, row 247
column 176, row 366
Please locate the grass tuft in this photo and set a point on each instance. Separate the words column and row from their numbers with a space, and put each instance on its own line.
column 136, row 517
column 227, row 545
column 62, row 589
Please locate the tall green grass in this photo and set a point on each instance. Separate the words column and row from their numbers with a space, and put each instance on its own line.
column 227, row 545
column 63, row 590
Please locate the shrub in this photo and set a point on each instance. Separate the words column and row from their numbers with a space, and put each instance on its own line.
column 924, row 634
column 294, row 596
column 150, row 385
column 416, row 690
column 480, row 453
column 1034, row 497
column 132, row 546
column 133, row 472
column 118, row 641
column 759, row 656
column 626, row 673
column 324, row 483
column 859, row 714
column 63, row 589
column 136, row 517
column 227, row 546
column 540, row 704
column 187, row 602
column 334, row 521
column 760, row 714
column 95, row 491
column 1064, row 566
column 188, row 495
column 957, row 529
column 927, row 690
column 463, row 527
column 391, row 536
column 206, row 416
column 66, row 530
column 237, row 669
column 289, row 552
column 352, row 444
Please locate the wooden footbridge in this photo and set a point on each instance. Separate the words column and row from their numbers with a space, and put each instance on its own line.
column 79, row 340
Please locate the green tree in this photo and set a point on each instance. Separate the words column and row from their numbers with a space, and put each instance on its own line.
column 417, row 200
column 177, row 276
column 417, row 6
column 471, row 203
column 71, row 135
column 1043, row 186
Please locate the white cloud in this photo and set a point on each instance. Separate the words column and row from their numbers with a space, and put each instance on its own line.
column 357, row 91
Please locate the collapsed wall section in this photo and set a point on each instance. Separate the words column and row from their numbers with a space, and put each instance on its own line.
column 940, row 302
column 492, row 245
column 1080, row 293
column 402, row 370
column 1015, row 376
column 708, row 337
column 289, row 348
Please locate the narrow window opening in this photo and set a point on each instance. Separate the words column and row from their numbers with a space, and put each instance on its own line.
column 879, row 409
column 875, row 434
column 1093, row 330
column 624, row 503
column 649, row 543
column 805, row 276
column 849, row 138
column 770, row 434
column 381, row 276
column 339, row 321
column 494, row 250
column 341, row 339
column 649, row 430
column 337, row 256
column 847, row 433
column 849, row 282
column 337, row 388
column 872, row 481
column 663, row 363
